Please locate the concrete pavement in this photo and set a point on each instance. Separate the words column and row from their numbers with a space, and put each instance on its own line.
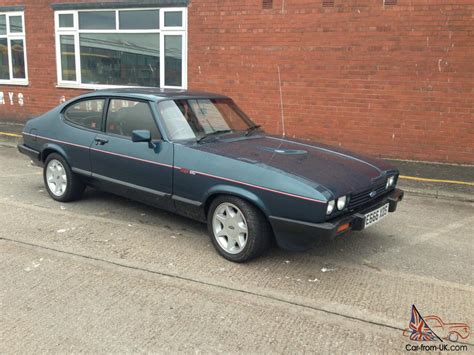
column 108, row 274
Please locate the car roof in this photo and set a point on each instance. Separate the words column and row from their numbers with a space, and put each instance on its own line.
column 156, row 94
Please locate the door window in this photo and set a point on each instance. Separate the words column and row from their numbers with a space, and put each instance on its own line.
column 125, row 116
column 86, row 113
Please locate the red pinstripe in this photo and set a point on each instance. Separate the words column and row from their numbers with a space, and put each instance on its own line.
column 260, row 187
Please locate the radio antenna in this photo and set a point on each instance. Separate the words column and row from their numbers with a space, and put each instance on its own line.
column 281, row 103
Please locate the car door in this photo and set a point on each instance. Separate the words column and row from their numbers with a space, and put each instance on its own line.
column 138, row 170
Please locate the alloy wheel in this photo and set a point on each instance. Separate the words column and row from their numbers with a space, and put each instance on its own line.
column 56, row 177
column 230, row 228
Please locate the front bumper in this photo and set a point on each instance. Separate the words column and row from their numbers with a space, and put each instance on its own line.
column 299, row 235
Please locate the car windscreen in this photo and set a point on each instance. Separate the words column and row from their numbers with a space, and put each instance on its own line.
column 190, row 119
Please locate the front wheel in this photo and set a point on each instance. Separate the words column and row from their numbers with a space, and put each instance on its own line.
column 453, row 336
column 238, row 230
column 60, row 182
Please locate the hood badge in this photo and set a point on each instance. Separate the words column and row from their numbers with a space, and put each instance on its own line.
column 373, row 193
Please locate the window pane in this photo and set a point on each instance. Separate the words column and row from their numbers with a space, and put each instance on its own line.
column 120, row 58
column 15, row 24
column 176, row 119
column 66, row 20
column 139, row 20
column 68, row 59
column 3, row 25
column 97, row 20
column 4, row 70
column 18, row 58
column 87, row 113
column 125, row 116
column 173, row 19
column 173, row 60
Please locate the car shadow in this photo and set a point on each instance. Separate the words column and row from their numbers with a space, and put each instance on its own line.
column 149, row 215
column 353, row 247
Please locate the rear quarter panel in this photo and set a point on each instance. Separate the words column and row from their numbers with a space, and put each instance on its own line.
column 49, row 132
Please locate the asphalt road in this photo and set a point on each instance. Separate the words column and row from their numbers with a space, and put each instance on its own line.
column 107, row 274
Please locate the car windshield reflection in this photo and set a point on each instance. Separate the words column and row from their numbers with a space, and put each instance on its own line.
column 197, row 119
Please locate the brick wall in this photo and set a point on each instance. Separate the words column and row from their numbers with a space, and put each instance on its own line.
column 41, row 94
column 393, row 81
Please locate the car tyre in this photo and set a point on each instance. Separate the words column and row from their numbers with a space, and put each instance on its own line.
column 60, row 182
column 238, row 230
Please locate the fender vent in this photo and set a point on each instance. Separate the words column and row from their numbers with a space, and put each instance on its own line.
column 328, row 3
column 267, row 4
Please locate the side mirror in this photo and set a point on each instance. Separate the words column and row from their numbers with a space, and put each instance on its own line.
column 141, row 135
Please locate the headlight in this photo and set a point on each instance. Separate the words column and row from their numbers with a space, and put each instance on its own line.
column 341, row 202
column 390, row 182
column 331, row 205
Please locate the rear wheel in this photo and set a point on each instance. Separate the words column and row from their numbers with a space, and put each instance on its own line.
column 60, row 182
column 238, row 230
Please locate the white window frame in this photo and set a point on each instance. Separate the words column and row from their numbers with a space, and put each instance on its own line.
column 161, row 32
column 15, row 36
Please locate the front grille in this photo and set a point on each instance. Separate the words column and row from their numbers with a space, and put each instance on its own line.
column 361, row 198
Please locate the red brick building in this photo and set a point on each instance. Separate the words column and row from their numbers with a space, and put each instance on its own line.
column 391, row 78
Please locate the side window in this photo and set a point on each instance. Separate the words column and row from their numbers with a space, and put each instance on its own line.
column 86, row 113
column 125, row 116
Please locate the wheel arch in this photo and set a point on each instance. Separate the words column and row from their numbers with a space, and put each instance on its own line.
column 49, row 148
column 220, row 190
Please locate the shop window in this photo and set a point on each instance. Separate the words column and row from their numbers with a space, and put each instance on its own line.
column 68, row 59
column 131, row 59
column 139, row 20
column 124, row 47
column 97, row 20
column 66, row 21
column 173, row 19
column 13, row 69
column 173, row 60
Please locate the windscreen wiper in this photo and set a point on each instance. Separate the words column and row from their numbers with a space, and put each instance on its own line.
column 252, row 129
column 213, row 134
